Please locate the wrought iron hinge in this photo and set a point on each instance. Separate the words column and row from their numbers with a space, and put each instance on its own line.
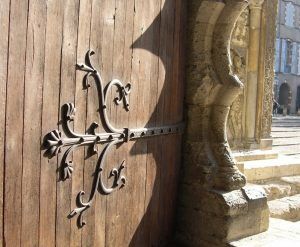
column 55, row 142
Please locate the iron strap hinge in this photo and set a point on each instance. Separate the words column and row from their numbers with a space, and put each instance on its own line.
column 54, row 142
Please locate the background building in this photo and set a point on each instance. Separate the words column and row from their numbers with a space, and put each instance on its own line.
column 287, row 67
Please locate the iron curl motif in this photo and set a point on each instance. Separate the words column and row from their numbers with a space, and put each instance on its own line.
column 66, row 142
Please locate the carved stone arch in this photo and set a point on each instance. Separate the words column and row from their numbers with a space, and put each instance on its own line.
column 213, row 91
column 214, row 206
column 227, row 176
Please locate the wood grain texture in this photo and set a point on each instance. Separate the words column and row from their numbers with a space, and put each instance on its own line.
column 14, row 123
column 34, row 77
column 121, row 68
column 83, row 43
column 97, row 37
column 67, row 92
column 107, row 55
column 168, row 143
column 50, row 119
column 152, row 223
column 134, row 41
column 4, row 23
column 136, row 168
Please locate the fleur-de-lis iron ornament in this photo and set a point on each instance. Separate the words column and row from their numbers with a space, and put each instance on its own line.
column 55, row 142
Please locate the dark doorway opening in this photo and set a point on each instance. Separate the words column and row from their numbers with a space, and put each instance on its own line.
column 285, row 97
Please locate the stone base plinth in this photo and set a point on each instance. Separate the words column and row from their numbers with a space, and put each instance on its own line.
column 223, row 217
column 266, row 144
column 252, row 145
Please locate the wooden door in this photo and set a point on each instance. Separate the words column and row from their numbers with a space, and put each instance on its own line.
column 134, row 41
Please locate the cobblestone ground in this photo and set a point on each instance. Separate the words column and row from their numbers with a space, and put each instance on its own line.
column 286, row 135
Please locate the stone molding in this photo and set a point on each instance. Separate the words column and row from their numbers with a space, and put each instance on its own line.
column 227, row 176
column 270, row 12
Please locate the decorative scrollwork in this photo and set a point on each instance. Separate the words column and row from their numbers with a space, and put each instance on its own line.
column 55, row 142
column 103, row 93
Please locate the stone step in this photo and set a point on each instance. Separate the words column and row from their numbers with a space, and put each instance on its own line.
column 287, row 208
column 286, row 141
column 280, row 187
column 285, row 129
column 287, row 124
column 285, row 134
column 287, row 149
column 275, row 190
column 258, row 170
column 295, row 155
column 281, row 233
column 285, row 118
column 255, row 155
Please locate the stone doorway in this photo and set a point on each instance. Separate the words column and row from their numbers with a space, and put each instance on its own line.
column 298, row 99
column 285, row 94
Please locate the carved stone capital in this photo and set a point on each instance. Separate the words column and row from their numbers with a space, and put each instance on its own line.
column 256, row 4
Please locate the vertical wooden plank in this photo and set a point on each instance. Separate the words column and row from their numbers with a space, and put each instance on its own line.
column 167, row 44
column 121, row 70
column 4, row 25
column 115, row 207
column 80, row 119
column 53, row 47
column 145, row 46
column 98, row 44
column 34, row 75
column 180, row 23
column 112, row 65
column 151, row 223
column 14, row 123
column 89, row 236
column 107, row 54
column 136, row 170
column 178, row 77
column 67, row 92
column 175, row 106
column 155, row 162
column 125, row 196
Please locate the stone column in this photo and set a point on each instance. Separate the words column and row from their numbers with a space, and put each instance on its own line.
column 253, row 69
column 270, row 9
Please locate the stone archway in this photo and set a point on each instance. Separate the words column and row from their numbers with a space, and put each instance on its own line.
column 213, row 91
column 214, row 207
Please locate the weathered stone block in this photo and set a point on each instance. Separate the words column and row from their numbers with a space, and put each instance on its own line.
column 225, row 216
column 266, row 144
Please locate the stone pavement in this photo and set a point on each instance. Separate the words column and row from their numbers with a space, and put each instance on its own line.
column 281, row 233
